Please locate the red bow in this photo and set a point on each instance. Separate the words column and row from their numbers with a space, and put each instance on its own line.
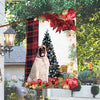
column 60, row 24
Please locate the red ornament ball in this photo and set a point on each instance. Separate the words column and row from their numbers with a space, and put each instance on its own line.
column 67, row 80
column 39, row 82
column 53, row 80
column 33, row 82
column 63, row 83
column 56, row 82
column 73, row 83
column 46, row 83
column 41, row 87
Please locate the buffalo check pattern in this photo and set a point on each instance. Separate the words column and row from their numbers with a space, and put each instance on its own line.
column 32, row 44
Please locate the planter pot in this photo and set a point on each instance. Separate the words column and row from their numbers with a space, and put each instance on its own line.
column 13, row 98
column 98, row 80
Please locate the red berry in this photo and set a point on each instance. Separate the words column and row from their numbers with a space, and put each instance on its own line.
column 72, row 13
column 67, row 80
column 39, row 81
column 69, row 34
column 30, row 83
column 46, row 83
column 42, row 17
column 41, row 87
column 39, row 84
column 73, row 44
column 56, row 87
column 47, row 20
column 33, row 82
column 43, row 21
column 63, row 16
column 56, row 82
column 53, row 80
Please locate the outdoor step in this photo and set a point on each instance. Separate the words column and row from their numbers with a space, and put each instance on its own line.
column 74, row 98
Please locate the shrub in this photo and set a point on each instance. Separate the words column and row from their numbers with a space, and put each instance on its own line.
column 87, row 76
column 46, row 98
column 95, row 90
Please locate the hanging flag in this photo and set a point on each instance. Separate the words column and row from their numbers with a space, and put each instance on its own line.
column 42, row 67
column 32, row 44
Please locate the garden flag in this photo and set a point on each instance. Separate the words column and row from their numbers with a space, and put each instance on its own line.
column 32, row 44
column 51, row 60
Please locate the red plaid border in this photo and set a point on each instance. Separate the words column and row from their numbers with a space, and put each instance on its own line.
column 32, row 44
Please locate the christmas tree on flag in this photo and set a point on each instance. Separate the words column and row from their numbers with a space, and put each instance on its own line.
column 54, row 67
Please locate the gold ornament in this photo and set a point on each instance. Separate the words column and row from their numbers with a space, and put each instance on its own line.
column 71, row 63
column 30, row 86
column 71, row 69
column 36, row 85
column 66, row 87
column 65, row 12
column 26, row 84
column 60, row 79
column 75, row 72
column 35, row 19
column 33, row 86
column 74, row 35
column 63, row 68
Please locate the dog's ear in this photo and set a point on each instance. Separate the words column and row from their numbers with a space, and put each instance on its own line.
column 36, row 50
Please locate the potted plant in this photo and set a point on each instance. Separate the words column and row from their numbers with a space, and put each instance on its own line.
column 87, row 76
column 95, row 90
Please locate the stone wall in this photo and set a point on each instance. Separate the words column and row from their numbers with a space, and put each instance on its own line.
column 85, row 92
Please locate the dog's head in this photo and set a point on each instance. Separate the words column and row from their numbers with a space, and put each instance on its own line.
column 42, row 51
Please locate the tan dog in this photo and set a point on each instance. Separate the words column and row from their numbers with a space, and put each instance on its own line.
column 40, row 67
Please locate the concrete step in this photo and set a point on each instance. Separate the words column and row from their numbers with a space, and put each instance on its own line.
column 74, row 98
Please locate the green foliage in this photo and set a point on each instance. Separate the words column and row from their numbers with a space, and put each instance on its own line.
column 87, row 76
column 46, row 98
column 24, row 43
column 95, row 90
column 9, row 91
column 23, row 83
column 6, row 83
column 97, row 71
column 88, row 42
column 22, row 10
